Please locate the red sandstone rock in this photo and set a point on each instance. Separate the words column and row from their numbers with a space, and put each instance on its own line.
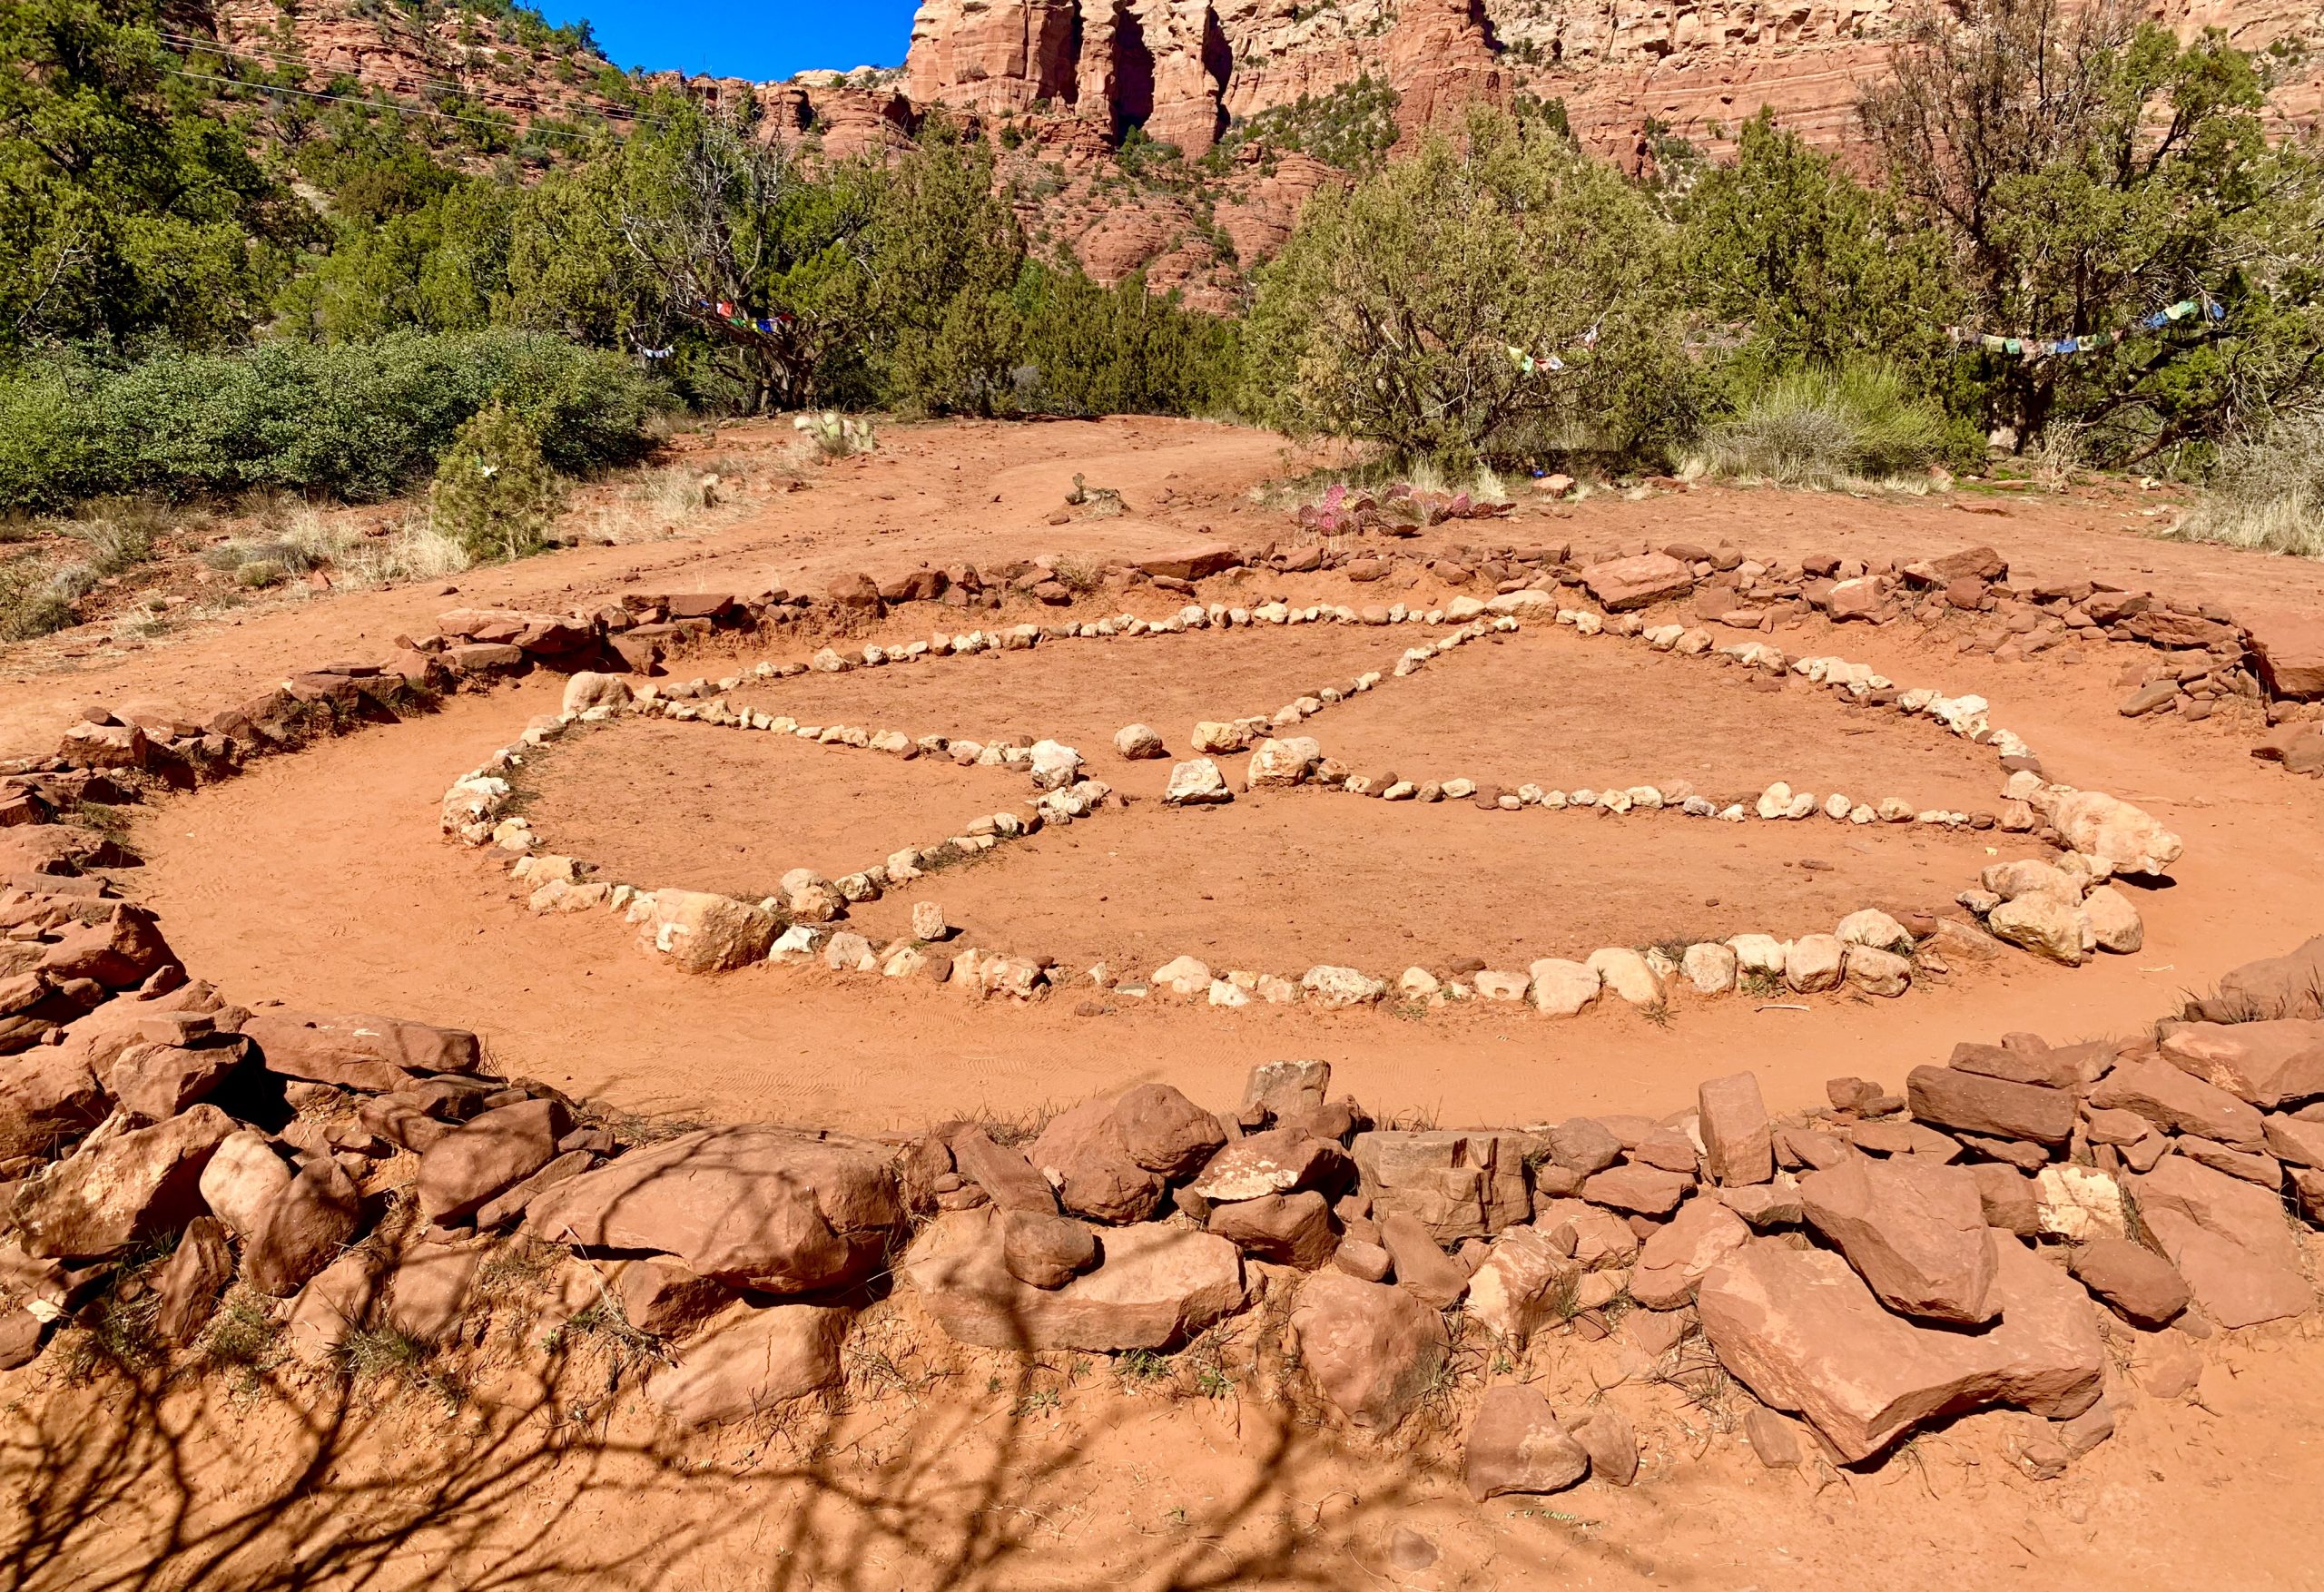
column 1157, row 1286
column 304, row 1230
column 1915, row 1232
column 375, row 1055
column 192, row 1280
column 1738, row 1147
column 1672, row 1261
column 2170, row 1098
column 762, row 1208
column 1640, row 582
column 2290, row 650
column 2144, row 1287
column 108, row 1195
column 1804, row 1334
column 498, row 1150
column 1372, row 1350
column 48, row 1099
column 750, row 1360
column 2264, row 1063
column 1290, row 1230
column 2228, row 1239
column 1994, row 1108
column 1516, row 1445
column 1423, row 1269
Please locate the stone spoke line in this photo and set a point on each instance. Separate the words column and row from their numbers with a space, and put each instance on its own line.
column 2062, row 912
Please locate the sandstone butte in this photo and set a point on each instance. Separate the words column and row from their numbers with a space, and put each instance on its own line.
column 1072, row 77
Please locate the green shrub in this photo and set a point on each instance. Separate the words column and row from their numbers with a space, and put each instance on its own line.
column 493, row 494
column 1817, row 428
column 359, row 421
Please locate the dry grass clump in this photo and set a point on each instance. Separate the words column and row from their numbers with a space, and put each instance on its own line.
column 1854, row 427
column 2266, row 494
column 40, row 594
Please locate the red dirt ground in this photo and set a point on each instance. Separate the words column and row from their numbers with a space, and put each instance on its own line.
column 321, row 879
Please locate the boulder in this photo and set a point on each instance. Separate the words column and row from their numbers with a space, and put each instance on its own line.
column 1372, row 1350
column 2228, row 1239
column 1165, row 1132
column 1422, row 1269
column 460, row 1172
column 586, row 691
column 2177, row 1100
column 1138, row 742
column 1155, row 1286
column 1277, row 1161
column 119, row 953
column 1516, row 1445
column 1081, row 1154
column 1738, row 1143
column 2042, row 924
column 117, row 1190
column 1801, row 1331
column 1008, row 1179
column 2266, row 1064
column 242, row 1180
column 48, row 1099
column 189, row 1282
column 373, row 1054
column 2290, row 648
column 303, row 1230
column 2290, row 986
column 155, row 1081
column 1562, row 988
column 707, row 933
column 661, row 1297
column 2144, row 1287
column 333, row 1307
column 1672, row 1261
column 2098, row 825
column 1282, row 762
column 1606, row 1433
column 1195, row 563
column 1645, row 1191
column 1458, row 1184
column 1990, row 1107
column 1526, row 1282
column 768, row 1209
column 750, row 1360
column 1638, row 582
column 1196, row 783
column 1914, row 1229
column 1288, row 1230
column 1045, row 1249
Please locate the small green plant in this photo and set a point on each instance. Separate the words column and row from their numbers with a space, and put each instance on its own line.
column 1139, row 1366
column 493, row 494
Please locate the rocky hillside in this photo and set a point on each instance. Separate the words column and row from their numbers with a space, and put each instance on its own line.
column 1181, row 137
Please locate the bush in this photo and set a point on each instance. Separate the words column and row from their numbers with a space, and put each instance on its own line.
column 493, row 494
column 1401, row 313
column 361, row 421
column 1817, row 427
column 2266, row 494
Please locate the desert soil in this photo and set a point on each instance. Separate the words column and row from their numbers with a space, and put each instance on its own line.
column 321, row 881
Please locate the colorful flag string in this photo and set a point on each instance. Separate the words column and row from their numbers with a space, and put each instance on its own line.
column 2031, row 347
column 1531, row 362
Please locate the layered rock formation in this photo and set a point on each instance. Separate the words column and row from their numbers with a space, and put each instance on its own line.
column 1176, row 67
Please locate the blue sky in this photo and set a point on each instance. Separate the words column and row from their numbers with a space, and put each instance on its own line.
column 762, row 40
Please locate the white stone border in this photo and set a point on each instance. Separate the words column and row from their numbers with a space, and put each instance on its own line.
column 2061, row 913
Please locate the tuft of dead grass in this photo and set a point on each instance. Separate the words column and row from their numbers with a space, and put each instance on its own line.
column 2266, row 494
